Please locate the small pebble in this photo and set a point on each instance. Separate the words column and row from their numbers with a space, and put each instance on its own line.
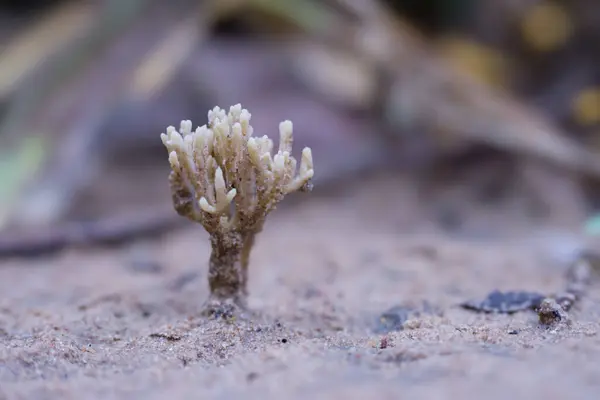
column 550, row 312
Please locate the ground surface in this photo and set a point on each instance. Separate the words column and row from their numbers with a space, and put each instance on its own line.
column 123, row 323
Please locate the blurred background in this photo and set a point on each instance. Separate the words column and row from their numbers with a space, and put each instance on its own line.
column 478, row 105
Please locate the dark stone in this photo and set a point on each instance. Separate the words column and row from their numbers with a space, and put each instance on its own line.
column 506, row 302
column 550, row 312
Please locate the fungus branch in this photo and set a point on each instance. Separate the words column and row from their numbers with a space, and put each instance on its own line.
column 228, row 180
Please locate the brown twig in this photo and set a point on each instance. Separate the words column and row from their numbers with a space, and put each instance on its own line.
column 108, row 231
column 121, row 229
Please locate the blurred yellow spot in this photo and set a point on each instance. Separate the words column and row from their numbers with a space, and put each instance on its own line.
column 483, row 63
column 546, row 26
column 586, row 107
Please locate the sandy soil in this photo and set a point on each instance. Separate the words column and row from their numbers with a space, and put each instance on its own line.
column 124, row 322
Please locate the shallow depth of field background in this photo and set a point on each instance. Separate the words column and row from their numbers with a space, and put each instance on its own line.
column 481, row 104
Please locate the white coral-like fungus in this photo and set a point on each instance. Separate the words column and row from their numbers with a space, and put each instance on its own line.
column 222, row 162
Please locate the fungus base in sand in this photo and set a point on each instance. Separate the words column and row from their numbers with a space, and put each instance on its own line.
column 228, row 180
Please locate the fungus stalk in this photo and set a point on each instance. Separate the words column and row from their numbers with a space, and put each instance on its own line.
column 228, row 180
